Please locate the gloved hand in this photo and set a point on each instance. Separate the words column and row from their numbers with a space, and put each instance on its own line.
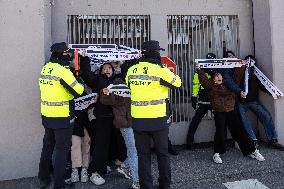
column 194, row 102
column 80, row 80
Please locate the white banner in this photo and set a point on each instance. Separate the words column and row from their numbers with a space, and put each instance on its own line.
column 120, row 90
column 234, row 62
column 219, row 63
column 107, row 52
column 274, row 91
column 84, row 102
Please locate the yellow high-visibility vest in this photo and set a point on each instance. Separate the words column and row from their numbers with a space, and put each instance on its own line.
column 196, row 86
column 148, row 96
column 55, row 99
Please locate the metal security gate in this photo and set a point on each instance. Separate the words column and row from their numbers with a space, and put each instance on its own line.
column 128, row 30
column 191, row 37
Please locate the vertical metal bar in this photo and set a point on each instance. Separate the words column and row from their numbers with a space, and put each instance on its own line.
column 211, row 37
column 96, row 29
column 222, row 34
column 136, row 30
column 124, row 25
column 78, row 30
column 132, row 29
column 188, row 66
column 178, row 57
column 149, row 28
column 207, row 35
column 203, row 37
column 83, row 29
column 199, row 35
column 183, row 68
column 88, row 28
column 114, row 30
column 68, row 30
column 102, row 30
column 140, row 37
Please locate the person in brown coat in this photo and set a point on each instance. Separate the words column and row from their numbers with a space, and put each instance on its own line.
column 122, row 120
column 223, row 105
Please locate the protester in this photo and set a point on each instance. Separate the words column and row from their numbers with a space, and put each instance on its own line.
column 149, row 82
column 80, row 149
column 103, row 127
column 250, row 101
column 223, row 101
column 58, row 87
column 199, row 102
column 123, row 121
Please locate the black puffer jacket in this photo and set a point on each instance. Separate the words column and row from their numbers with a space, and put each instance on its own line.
column 101, row 110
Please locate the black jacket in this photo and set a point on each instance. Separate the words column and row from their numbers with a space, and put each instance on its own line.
column 253, row 86
column 101, row 110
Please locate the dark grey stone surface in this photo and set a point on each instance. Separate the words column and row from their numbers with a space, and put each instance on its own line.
column 195, row 169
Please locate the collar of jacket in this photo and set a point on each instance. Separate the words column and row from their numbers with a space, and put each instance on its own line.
column 59, row 61
column 150, row 60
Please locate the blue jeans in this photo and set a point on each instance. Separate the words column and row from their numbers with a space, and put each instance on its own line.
column 262, row 114
column 132, row 160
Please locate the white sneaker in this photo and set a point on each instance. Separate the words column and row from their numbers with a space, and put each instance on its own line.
column 108, row 169
column 97, row 179
column 124, row 171
column 84, row 174
column 117, row 162
column 256, row 155
column 135, row 185
column 217, row 158
column 74, row 175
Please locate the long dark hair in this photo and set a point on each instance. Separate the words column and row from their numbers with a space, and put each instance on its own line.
column 102, row 66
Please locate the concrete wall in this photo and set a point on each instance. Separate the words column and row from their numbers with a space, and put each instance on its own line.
column 277, row 43
column 268, row 48
column 22, row 56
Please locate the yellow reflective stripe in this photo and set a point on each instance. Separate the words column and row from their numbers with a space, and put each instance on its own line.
column 147, row 103
column 144, row 77
column 74, row 83
column 55, row 103
column 174, row 79
column 50, row 77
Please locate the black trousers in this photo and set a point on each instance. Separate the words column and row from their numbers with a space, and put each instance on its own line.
column 143, row 145
column 61, row 140
column 102, row 140
column 196, row 119
column 232, row 120
column 117, row 146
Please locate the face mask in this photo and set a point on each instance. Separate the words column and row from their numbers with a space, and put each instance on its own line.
column 67, row 58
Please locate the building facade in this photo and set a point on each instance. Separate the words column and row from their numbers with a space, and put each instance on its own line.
column 187, row 29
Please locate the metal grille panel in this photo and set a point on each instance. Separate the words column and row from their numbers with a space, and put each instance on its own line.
column 192, row 37
column 129, row 30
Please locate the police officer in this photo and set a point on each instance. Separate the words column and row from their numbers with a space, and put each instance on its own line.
column 149, row 82
column 199, row 102
column 58, row 87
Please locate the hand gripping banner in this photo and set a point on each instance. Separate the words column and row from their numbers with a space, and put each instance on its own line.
column 101, row 53
column 120, row 90
column 84, row 102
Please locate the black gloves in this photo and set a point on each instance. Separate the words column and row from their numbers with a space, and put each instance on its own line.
column 194, row 102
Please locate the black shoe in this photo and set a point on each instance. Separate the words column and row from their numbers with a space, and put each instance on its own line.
column 189, row 146
column 173, row 151
column 43, row 184
column 274, row 144
column 255, row 143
